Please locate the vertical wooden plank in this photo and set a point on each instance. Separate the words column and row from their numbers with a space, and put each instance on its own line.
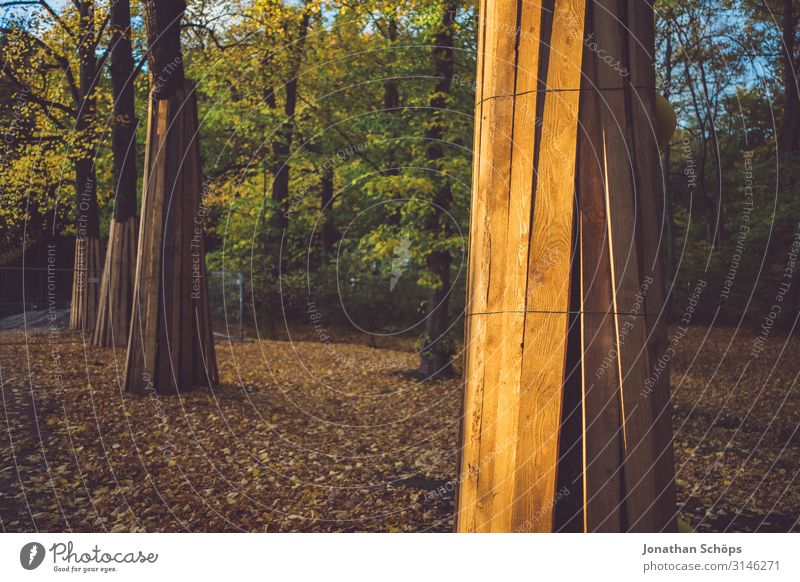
column 175, row 293
column 622, row 210
column 154, row 239
column 471, row 424
column 167, row 248
column 507, row 258
column 102, row 309
column 128, row 266
column 650, row 197
column 135, row 343
column 494, row 180
column 505, row 365
column 184, row 324
column 602, row 446
column 471, row 400
column 539, row 419
column 501, row 21
column 492, row 294
column 544, row 343
column 196, row 308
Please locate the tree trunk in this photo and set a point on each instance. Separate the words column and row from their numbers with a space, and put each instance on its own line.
column 789, row 136
column 717, row 224
column 435, row 350
column 564, row 278
column 391, row 92
column 162, row 19
column 281, row 150
column 282, row 145
column 666, row 160
column 328, row 234
column 391, row 107
column 116, row 290
column 171, row 344
column 708, row 203
column 86, row 278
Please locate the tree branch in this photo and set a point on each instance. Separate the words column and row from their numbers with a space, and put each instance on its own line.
column 33, row 98
column 62, row 61
column 213, row 35
column 56, row 17
column 102, row 29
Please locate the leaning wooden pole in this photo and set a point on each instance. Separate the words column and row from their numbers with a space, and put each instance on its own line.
column 171, row 346
column 566, row 409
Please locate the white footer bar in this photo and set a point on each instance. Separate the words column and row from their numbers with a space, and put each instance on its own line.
column 399, row 557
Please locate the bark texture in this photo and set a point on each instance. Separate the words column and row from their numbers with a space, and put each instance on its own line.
column 436, row 351
column 116, row 289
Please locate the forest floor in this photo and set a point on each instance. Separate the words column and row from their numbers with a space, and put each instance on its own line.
column 309, row 436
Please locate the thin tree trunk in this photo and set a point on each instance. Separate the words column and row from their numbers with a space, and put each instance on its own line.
column 669, row 211
column 391, row 92
column 391, row 107
column 116, row 290
column 328, row 233
column 718, row 212
column 789, row 137
column 281, row 150
column 436, row 351
column 283, row 143
column 86, row 279
column 701, row 176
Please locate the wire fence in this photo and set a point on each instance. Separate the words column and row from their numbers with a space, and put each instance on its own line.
column 226, row 297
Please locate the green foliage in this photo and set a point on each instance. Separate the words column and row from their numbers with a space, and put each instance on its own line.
column 720, row 64
column 40, row 77
column 365, row 80
column 383, row 182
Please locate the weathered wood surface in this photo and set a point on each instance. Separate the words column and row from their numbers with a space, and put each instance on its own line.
column 565, row 195
column 171, row 344
column 114, row 313
column 88, row 269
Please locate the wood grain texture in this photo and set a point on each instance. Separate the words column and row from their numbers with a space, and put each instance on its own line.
column 533, row 258
column 88, row 268
column 171, row 342
column 116, row 288
column 548, row 278
column 601, row 383
column 519, row 263
column 650, row 194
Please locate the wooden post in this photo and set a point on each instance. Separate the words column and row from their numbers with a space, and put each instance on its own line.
column 171, row 346
column 116, row 287
column 171, row 343
column 565, row 289
column 88, row 268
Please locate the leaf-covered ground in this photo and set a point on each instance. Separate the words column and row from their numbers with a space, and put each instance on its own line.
column 737, row 429
column 309, row 436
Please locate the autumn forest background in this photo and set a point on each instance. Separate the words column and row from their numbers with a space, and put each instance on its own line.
column 336, row 148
